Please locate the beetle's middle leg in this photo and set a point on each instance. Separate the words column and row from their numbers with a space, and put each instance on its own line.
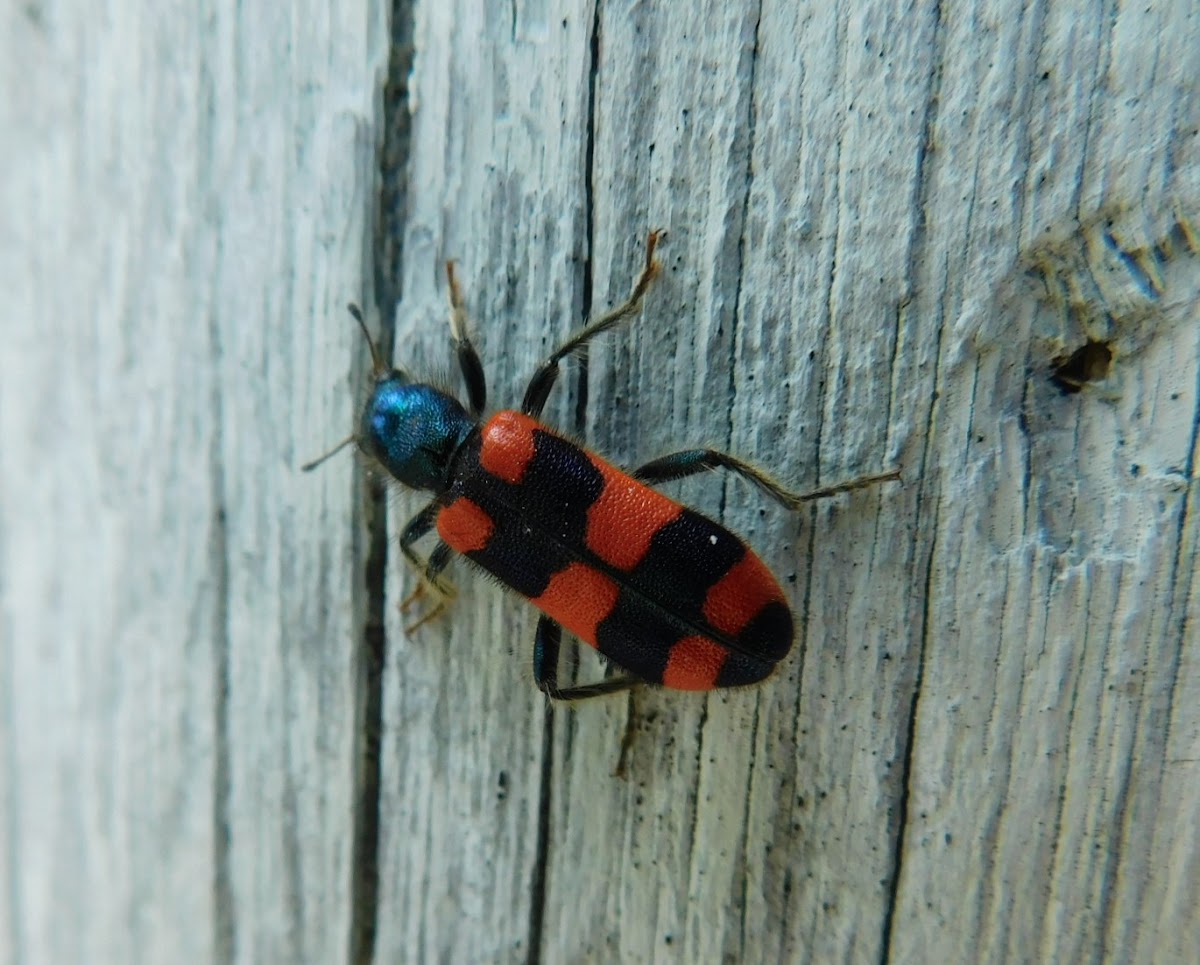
column 688, row 462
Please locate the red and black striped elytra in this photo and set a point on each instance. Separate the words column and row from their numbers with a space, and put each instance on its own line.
column 669, row 595
column 660, row 590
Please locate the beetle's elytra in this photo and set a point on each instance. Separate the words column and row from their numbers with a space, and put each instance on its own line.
column 662, row 591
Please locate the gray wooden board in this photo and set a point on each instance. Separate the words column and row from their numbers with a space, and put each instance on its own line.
column 187, row 195
column 885, row 222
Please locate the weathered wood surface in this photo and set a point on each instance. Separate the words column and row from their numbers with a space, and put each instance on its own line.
column 886, row 224
column 187, row 195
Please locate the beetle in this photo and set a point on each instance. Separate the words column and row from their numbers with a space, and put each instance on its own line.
column 669, row 595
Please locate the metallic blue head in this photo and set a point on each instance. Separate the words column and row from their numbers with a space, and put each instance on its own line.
column 413, row 430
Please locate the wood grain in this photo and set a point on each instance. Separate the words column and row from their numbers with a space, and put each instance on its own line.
column 187, row 194
column 890, row 226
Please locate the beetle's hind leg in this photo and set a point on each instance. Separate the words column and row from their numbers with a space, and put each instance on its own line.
column 546, row 645
column 428, row 570
column 544, row 378
column 677, row 465
column 468, row 358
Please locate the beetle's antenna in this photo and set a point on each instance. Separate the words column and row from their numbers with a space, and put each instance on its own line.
column 310, row 466
column 376, row 361
column 379, row 371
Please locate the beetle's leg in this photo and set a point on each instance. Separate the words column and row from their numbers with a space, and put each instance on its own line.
column 544, row 378
column 468, row 358
column 417, row 527
column 428, row 570
column 546, row 644
column 444, row 592
column 691, row 461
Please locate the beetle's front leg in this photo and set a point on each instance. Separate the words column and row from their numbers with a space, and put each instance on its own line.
column 544, row 378
column 429, row 570
column 468, row 358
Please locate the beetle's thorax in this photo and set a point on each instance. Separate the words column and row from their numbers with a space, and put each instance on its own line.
column 413, row 430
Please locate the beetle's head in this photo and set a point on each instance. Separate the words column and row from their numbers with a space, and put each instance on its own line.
column 408, row 428
column 412, row 430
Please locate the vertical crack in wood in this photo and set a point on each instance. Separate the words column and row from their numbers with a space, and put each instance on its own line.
column 1119, row 791
column 838, row 44
column 923, row 180
column 747, row 184
column 541, row 860
column 750, row 129
column 752, row 793
column 1100, row 91
column 392, row 209
column 1179, row 571
column 694, row 798
column 589, row 223
column 1060, row 803
column 224, row 919
column 910, row 738
column 388, row 240
column 1027, row 449
column 365, row 860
